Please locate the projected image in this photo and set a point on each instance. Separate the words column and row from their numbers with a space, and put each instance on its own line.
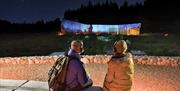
column 76, row 27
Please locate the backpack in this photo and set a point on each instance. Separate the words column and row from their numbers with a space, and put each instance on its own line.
column 57, row 74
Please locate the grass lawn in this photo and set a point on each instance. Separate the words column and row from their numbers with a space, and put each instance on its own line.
column 29, row 44
column 157, row 44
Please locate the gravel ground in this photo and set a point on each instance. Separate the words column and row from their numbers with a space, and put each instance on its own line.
column 147, row 77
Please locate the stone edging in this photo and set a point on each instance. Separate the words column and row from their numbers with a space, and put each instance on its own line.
column 100, row 59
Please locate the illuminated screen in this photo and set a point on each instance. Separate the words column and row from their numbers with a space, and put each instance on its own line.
column 76, row 27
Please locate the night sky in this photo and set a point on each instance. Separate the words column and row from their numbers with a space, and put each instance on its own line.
column 33, row 10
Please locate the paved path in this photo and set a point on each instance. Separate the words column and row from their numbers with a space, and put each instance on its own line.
column 9, row 85
column 26, row 85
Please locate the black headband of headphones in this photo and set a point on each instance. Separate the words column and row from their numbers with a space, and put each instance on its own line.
column 114, row 48
column 81, row 42
column 115, row 44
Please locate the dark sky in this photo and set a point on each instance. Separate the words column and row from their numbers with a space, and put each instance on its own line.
column 33, row 10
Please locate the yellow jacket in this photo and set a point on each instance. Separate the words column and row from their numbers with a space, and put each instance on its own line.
column 120, row 74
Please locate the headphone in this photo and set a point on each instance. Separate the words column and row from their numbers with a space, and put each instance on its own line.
column 114, row 47
column 81, row 42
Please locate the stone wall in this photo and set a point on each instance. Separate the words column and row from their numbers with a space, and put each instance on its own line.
column 87, row 59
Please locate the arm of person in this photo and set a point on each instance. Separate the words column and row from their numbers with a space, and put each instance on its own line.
column 88, row 83
column 110, row 74
column 83, row 79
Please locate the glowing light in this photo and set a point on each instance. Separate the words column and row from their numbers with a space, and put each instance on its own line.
column 76, row 27
column 61, row 34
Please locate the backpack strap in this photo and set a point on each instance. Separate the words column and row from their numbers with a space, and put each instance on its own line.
column 59, row 80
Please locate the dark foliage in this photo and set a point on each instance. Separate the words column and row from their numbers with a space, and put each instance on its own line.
column 155, row 15
column 39, row 26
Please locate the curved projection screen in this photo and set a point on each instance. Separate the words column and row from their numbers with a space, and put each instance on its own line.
column 68, row 26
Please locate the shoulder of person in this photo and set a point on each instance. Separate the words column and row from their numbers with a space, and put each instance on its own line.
column 76, row 62
column 73, row 61
column 129, row 55
column 115, row 59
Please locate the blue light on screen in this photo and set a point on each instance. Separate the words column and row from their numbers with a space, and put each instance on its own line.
column 71, row 26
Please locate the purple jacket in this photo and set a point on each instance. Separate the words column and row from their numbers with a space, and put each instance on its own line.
column 76, row 74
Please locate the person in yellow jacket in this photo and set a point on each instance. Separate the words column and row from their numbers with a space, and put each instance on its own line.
column 120, row 69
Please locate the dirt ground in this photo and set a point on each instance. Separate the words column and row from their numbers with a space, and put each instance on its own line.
column 147, row 77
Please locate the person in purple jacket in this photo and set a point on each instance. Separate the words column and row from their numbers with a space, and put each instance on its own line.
column 76, row 78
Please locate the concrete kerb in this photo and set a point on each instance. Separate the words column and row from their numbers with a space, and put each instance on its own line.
column 9, row 85
column 24, row 85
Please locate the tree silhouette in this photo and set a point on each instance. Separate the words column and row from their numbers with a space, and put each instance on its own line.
column 155, row 16
column 39, row 26
column 107, row 12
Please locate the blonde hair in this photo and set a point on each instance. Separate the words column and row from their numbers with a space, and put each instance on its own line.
column 120, row 46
